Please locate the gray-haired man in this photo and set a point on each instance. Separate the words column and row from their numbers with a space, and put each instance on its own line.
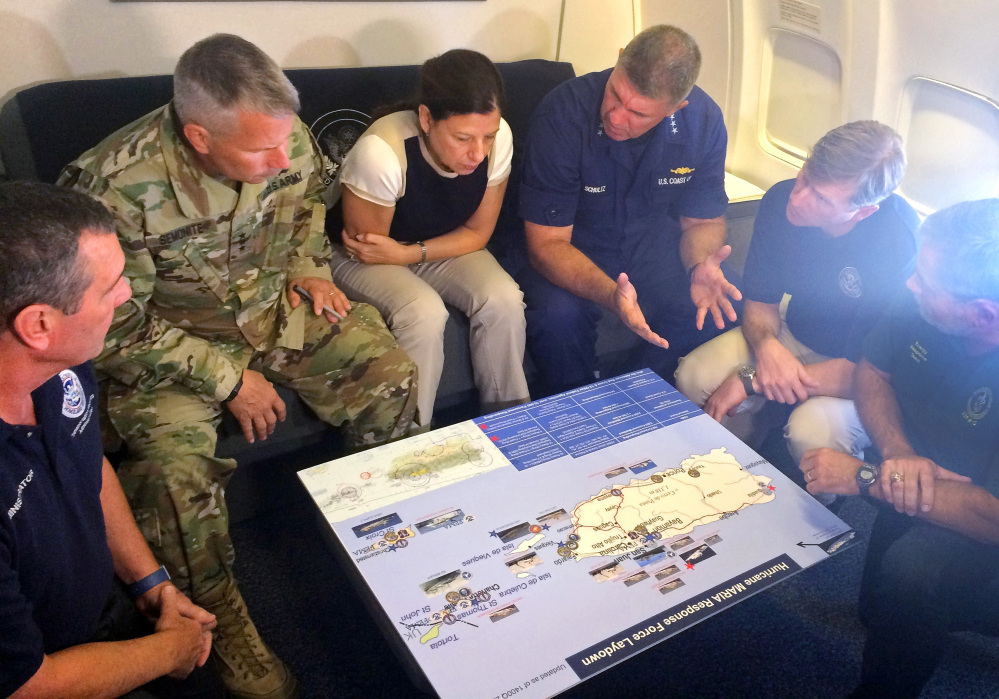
column 218, row 206
column 839, row 243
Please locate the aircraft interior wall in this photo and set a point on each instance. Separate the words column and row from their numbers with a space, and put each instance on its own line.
column 787, row 71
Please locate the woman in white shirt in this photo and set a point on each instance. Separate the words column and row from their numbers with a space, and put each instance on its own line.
column 420, row 194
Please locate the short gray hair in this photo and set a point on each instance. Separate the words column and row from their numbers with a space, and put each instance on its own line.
column 865, row 152
column 662, row 62
column 966, row 236
column 224, row 73
column 40, row 230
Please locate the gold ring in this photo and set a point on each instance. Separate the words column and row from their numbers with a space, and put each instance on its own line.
column 896, row 477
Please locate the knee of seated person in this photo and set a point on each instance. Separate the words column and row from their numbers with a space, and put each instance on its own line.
column 697, row 376
column 503, row 301
column 424, row 309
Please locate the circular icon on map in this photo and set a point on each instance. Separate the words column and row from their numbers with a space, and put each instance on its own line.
column 450, row 619
column 694, row 473
column 657, row 535
column 483, row 596
column 535, row 528
column 391, row 536
column 633, row 535
column 417, row 477
column 401, row 544
column 452, row 597
column 465, row 592
column 573, row 537
column 642, row 529
column 656, row 478
column 466, row 575
column 436, row 617
column 564, row 551
column 404, row 533
column 616, row 492
column 571, row 545
column 365, row 476
column 350, row 492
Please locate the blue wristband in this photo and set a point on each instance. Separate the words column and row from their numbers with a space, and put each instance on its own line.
column 141, row 587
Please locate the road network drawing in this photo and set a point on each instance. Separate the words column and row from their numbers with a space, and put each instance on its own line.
column 704, row 489
column 385, row 475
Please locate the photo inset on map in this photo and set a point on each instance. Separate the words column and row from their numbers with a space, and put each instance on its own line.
column 520, row 565
column 428, row 525
column 442, row 584
column 646, row 465
column 670, row 586
column 615, row 472
column 607, row 572
column 680, row 543
column 699, row 553
column 375, row 525
column 514, row 532
column 503, row 612
column 712, row 540
column 666, row 572
column 560, row 513
column 654, row 556
column 636, row 578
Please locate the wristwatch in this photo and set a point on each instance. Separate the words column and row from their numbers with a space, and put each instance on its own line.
column 867, row 475
column 747, row 374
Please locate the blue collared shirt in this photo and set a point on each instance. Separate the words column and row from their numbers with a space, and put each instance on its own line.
column 614, row 193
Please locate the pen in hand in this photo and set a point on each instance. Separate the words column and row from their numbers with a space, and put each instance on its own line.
column 308, row 297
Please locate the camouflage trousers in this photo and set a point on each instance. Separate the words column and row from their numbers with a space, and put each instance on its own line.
column 351, row 374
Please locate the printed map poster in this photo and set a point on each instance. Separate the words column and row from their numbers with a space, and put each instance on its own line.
column 553, row 540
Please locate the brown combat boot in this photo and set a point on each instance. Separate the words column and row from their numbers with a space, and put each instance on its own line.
column 249, row 669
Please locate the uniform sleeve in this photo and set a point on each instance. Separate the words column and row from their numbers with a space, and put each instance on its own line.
column 21, row 645
column 501, row 155
column 312, row 256
column 762, row 278
column 880, row 344
column 550, row 185
column 142, row 350
column 373, row 172
column 704, row 196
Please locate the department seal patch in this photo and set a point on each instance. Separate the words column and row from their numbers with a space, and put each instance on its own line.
column 849, row 282
column 74, row 400
column 980, row 403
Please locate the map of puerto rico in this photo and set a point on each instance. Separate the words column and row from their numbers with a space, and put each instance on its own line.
column 704, row 489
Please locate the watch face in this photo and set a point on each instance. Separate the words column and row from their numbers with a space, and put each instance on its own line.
column 866, row 475
column 747, row 372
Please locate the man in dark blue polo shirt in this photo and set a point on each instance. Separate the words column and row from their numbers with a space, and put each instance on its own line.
column 925, row 391
column 65, row 527
column 623, row 200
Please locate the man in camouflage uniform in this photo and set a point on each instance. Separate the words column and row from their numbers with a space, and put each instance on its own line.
column 217, row 199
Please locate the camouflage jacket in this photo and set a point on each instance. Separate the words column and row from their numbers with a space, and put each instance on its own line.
column 208, row 264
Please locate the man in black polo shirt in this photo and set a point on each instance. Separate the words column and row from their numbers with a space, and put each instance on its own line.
column 925, row 391
column 65, row 527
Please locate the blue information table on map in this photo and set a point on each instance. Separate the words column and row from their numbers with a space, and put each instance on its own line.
column 560, row 537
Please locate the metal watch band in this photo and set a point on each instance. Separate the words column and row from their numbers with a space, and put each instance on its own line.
column 141, row 587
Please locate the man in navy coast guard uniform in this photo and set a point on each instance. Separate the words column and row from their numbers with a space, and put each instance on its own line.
column 623, row 199
column 925, row 391
column 65, row 527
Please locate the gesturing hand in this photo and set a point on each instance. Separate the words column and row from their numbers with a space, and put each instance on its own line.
column 627, row 308
column 710, row 290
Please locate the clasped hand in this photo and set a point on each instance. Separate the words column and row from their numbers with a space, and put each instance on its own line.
column 374, row 249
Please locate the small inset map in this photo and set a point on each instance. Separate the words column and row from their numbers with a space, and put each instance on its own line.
column 704, row 489
column 379, row 477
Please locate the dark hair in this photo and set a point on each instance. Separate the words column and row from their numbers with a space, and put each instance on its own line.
column 459, row 81
column 40, row 229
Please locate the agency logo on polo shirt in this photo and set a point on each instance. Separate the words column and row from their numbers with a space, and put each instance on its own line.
column 849, row 282
column 978, row 405
column 681, row 175
column 74, row 400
